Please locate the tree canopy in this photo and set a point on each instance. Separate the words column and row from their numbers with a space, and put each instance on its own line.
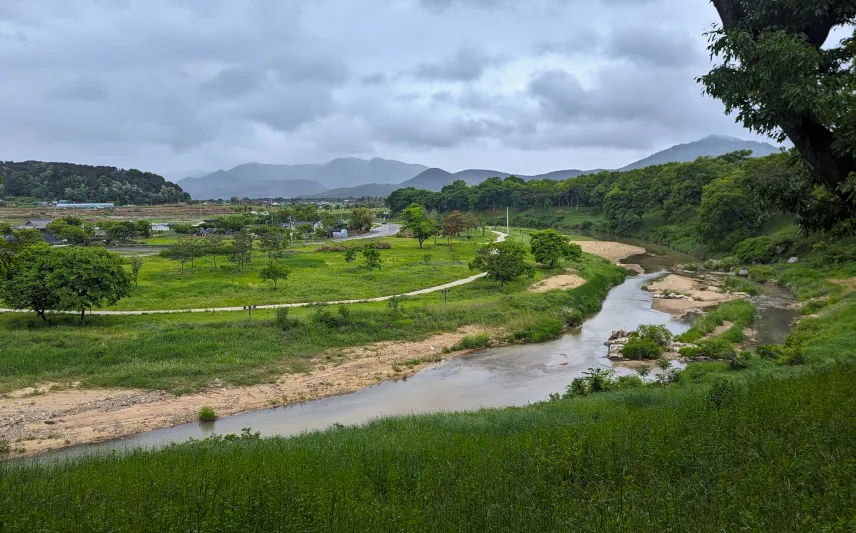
column 502, row 261
column 549, row 247
column 782, row 78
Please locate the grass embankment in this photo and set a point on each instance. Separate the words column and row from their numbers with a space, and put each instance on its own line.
column 315, row 276
column 183, row 352
column 767, row 451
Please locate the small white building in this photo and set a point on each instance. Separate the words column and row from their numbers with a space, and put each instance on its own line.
column 160, row 227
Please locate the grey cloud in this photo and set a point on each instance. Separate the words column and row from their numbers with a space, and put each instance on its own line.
column 235, row 81
column 664, row 47
column 467, row 64
column 377, row 78
column 83, row 89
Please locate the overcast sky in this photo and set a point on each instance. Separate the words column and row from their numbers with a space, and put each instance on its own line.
column 519, row 86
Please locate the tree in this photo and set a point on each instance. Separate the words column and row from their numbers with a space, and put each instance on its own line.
column 416, row 222
column 136, row 265
column 351, row 254
column 549, row 246
column 361, row 219
column 272, row 242
column 184, row 250
column 274, row 272
column 453, row 225
column 77, row 278
column 372, row 256
column 782, row 81
column 28, row 237
column 502, row 261
column 728, row 213
column 26, row 283
column 241, row 251
column 213, row 246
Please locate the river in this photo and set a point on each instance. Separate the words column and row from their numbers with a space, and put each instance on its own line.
column 508, row 376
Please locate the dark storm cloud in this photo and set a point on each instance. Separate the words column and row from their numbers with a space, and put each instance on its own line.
column 163, row 84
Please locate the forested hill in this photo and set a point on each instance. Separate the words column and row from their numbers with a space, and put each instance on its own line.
column 713, row 201
column 85, row 183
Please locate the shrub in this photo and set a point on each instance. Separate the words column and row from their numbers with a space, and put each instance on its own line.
column 383, row 245
column 655, row 333
column 596, row 380
column 758, row 249
column 426, row 258
column 739, row 361
column 282, row 321
column 761, row 273
column 472, row 342
column 543, row 329
column 344, row 315
column 730, row 262
column 769, row 351
column 812, row 307
column 641, row 348
column 5, row 447
column 334, row 248
column 573, row 317
column 735, row 284
column 207, row 414
column 716, row 348
column 324, row 317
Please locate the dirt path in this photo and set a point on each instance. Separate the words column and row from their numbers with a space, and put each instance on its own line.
column 34, row 421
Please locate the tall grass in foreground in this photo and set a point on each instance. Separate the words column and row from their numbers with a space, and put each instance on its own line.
column 758, row 453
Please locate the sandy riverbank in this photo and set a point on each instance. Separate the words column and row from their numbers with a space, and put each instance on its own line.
column 35, row 421
column 612, row 251
column 677, row 295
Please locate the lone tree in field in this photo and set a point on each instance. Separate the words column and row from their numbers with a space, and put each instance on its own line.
column 549, row 246
column 351, row 254
column 503, row 261
column 419, row 224
column 784, row 80
column 372, row 256
column 136, row 265
column 274, row 272
column 66, row 279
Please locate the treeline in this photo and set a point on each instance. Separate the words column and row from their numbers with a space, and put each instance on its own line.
column 86, row 183
column 720, row 201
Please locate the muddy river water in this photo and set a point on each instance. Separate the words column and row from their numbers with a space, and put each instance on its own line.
column 514, row 375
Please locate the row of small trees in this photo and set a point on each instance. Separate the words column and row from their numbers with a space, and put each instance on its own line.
column 422, row 226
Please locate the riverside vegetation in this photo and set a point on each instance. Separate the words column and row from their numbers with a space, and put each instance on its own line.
column 760, row 442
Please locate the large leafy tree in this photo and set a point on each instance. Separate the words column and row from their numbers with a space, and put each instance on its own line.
column 549, row 246
column 783, row 79
column 361, row 219
column 65, row 279
column 502, row 261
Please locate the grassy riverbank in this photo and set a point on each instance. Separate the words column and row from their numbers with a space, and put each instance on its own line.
column 770, row 450
column 183, row 352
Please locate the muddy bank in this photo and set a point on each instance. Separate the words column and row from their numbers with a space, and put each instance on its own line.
column 612, row 251
column 677, row 295
column 38, row 420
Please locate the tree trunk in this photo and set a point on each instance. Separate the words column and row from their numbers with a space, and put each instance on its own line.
column 41, row 313
column 215, row 260
column 82, row 314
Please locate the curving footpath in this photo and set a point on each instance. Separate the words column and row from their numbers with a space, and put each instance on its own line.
column 500, row 238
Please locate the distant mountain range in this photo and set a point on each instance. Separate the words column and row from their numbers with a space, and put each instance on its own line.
column 355, row 178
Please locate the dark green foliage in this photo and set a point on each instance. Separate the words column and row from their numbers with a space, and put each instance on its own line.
column 641, row 348
column 545, row 328
column 756, row 250
column 351, row 254
column 274, row 272
column 549, row 247
column 735, row 284
column 207, row 414
column 85, row 183
column 597, row 380
column 136, row 266
column 372, row 256
column 502, row 261
column 658, row 334
column 573, row 317
column 283, row 321
column 473, row 342
column 715, row 348
column 762, row 273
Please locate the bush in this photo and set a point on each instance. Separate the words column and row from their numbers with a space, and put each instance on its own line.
column 473, row 342
column 545, row 328
column 756, row 250
column 573, row 317
column 730, row 262
column 207, row 414
column 740, row 361
column 5, row 447
column 596, row 380
column 735, row 284
column 324, row 317
column 282, row 321
column 716, row 348
column 641, row 348
column 761, row 273
column 383, row 245
column 655, row 333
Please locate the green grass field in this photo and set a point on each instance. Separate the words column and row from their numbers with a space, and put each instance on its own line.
column 186, row 351
column 315, row 276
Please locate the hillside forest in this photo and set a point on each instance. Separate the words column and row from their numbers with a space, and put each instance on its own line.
column 86, row 183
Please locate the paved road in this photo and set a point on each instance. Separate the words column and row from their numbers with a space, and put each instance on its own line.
column 500, row 237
